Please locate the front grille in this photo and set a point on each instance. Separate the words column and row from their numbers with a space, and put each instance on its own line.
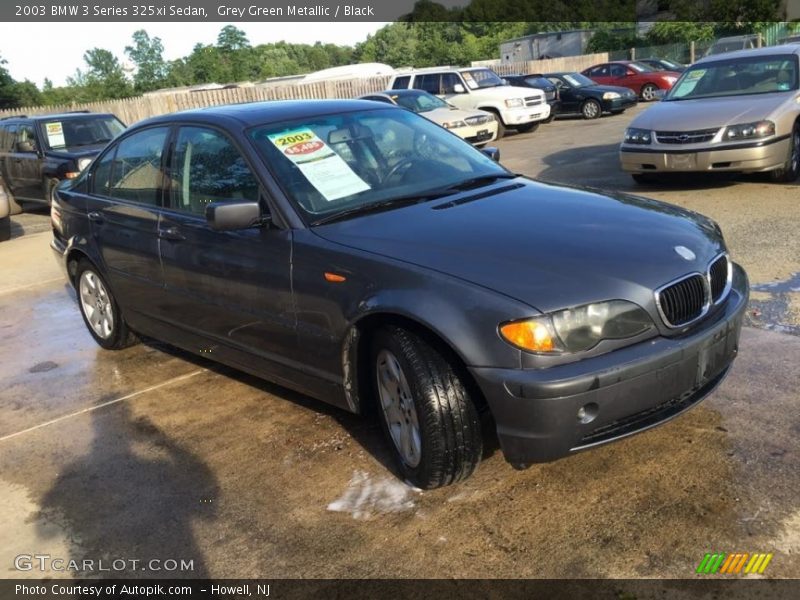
column 683, row 301
column 478, row 120
column 686, row 137
column 718, row 278
column 533, row 100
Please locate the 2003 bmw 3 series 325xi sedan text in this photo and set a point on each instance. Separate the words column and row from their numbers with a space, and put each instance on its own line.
column 369, row 258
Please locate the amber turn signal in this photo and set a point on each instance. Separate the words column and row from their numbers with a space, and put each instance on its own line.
column 334, row 277
column 530, row 335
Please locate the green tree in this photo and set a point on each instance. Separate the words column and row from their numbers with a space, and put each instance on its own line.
column 103, row 80
column 148, row 55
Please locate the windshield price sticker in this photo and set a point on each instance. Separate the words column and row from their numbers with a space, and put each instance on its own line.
column 324, row 169
column 55, row 134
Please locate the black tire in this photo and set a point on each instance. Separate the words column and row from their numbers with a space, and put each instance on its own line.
column 528, row 127
column 118, row 334
column 791, row 168
column 501, row 128
column 5, row 229
column 449, row 430
column 644, row 178
column 591, row 109
column 649, row 92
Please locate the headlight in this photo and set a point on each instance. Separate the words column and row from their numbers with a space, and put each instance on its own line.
column 515, row 103
column 637, row 136
column 83, row 163
column 454, row 124
column 578, row 329
column 758, row 129
column 610, row 95
column 489, row 117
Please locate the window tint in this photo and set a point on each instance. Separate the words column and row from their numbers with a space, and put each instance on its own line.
column 449, row 80
column 101, row 175
column 26, row 138
column 401, row 83
column 7, row 135
column 206, row 168
column 428, row 82
column 618, row 70
column 136, row 173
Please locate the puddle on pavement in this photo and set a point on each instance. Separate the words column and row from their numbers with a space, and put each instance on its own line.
column 776, row 306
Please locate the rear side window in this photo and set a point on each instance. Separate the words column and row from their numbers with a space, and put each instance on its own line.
column 401, row 83
column 135, row 172
column 206, row 168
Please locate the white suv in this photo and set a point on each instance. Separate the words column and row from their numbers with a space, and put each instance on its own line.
column 478, row 87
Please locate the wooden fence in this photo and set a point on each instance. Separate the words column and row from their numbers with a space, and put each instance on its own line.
column 550, row 65
column 131, row 110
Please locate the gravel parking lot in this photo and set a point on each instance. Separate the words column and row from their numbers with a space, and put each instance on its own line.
column 152, row 454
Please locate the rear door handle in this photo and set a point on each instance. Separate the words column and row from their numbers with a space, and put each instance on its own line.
column 95, row 217
column 171, row 233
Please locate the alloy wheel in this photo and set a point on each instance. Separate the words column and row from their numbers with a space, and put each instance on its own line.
column 96, row 304
column 399, row 410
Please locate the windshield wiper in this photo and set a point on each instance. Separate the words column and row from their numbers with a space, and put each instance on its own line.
column 378, row 207
column 479, row 181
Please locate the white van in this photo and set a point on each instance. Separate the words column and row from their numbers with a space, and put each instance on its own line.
column 480, row 88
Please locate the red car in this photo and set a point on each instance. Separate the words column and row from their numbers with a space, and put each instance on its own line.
column 642, row 79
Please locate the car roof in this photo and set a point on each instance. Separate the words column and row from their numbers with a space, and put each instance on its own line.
column 259, row 113
column 61, row 116
column 765, row 51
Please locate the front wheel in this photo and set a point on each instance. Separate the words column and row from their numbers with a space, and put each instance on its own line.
column 100, row 310
column 791, row 168
column 528, row 127
column 426, row 412
column 591, row 109
column 5, row 229
column 649, row 92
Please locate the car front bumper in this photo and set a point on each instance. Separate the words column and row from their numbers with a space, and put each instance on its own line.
column 745, row 158
column 478, row 134
column 628, row 390
column 525, row 114
column 617, row 104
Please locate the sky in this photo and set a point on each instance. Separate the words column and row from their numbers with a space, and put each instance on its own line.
column 35, row 51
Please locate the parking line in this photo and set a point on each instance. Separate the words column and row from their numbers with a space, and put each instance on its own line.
column 104, row 404
column 30, row 285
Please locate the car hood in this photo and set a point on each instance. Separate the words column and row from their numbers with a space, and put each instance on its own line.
column 607, row 88
column 707, row 113
column 549, row 246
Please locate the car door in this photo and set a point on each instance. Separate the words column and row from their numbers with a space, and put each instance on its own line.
column 453, row 89
column 126, row 188
column 24, row 164
column 231, row 288
column 600, row 74
column 567, row 94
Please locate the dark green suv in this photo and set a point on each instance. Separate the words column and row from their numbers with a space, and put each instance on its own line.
column 37, row 152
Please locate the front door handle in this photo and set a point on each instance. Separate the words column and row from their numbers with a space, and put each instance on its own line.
column 171, row 233
column 95, row 217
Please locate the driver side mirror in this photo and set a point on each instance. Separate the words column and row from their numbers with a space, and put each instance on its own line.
column 234, row 214
column 492, row 152
column 459, row 89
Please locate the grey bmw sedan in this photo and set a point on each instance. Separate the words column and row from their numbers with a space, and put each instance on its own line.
column 366, row 257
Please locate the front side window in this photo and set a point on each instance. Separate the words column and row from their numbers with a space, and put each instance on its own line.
column 737, row 77
column 207, row 167
column 338, row 163
column 136, row 172
column 26, row 138
column 618, row 71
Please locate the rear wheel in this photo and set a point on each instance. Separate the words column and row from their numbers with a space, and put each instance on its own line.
column 649, row 92
column 591, row 109
column 791, row 168
column 100, row 310
column 426, row 412
column 5, row 229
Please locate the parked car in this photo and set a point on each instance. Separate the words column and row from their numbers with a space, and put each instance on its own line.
column 5, row 214
column 37, row 152
column 733, row 112
column 482, row 89
column 478, row 127
column 538, row 81
column 579, row 94
column 662, row 64
column 642, row 79
column 732, row 44
column 363, row 255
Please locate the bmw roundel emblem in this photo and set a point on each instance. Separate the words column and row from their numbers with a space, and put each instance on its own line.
column 685, row 253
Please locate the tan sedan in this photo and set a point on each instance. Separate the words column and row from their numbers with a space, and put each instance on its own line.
column 736, row 112
column 475, row 126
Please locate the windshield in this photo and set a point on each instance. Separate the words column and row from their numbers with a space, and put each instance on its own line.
column 74, row 132
column 737, row 77
column 577, row 79
column 339, row 163
column 481, row 78
column 419, row 102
